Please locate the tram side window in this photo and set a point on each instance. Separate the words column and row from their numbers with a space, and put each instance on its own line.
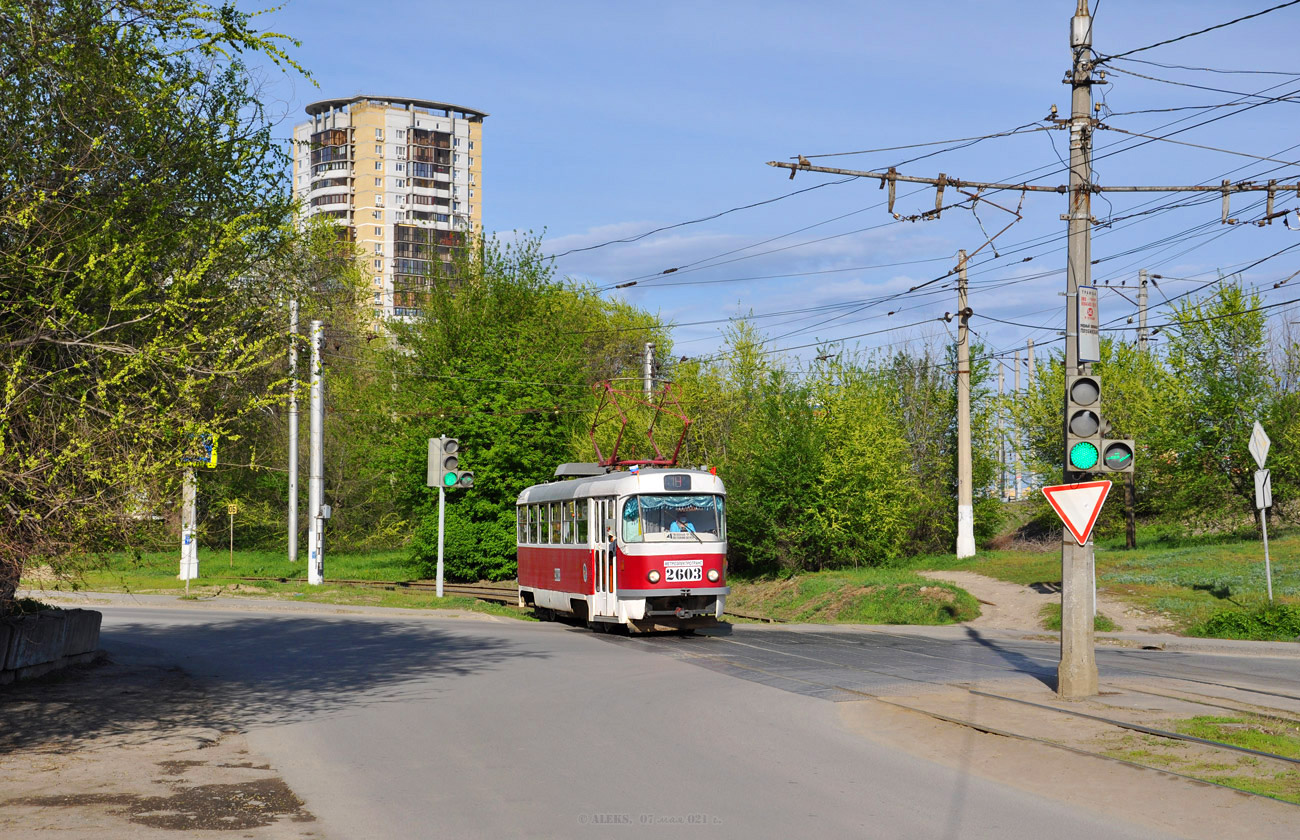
column 555, row 522
column 631, row 521
column 521, row 524
column 536, row 523
column 580, row 522
column 566, row 523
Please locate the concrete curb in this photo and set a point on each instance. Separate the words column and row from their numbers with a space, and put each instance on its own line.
column 36, row 644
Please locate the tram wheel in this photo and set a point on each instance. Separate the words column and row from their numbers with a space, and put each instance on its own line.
column 544, row 614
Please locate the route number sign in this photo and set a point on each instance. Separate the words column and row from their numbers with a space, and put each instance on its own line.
column 1089, row 325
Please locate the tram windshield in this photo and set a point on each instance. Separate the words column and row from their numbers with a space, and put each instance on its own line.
column 664, row 518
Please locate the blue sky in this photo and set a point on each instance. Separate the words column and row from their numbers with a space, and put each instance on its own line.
column 612, row 119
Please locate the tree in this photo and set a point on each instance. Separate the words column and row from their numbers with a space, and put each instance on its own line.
column 140, row 192
column 1221, row 384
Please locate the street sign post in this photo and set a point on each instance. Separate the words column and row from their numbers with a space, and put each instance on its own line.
column 1259, row 444
column 1078, row 505
column 231, row 510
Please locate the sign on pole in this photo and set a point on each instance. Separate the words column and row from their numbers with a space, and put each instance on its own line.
column 1259, row 444
column 1263, row 489
column 1078, row 505
column 1089, row 338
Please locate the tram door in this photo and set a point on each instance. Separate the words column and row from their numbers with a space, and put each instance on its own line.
column 603, row 527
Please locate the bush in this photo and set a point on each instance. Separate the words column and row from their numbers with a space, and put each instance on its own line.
column 1272, row 622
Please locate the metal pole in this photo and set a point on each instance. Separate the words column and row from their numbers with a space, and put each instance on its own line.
column 1077, row 672
column 293, row 431
column 316, row 469
column 232, row 541
column 648, row 369
column 965, row 503
column 1268, row 569
column 1015, row 432
column 442, row 508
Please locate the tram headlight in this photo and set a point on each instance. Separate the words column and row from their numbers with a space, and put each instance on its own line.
column 653, row 576
column 713, row 575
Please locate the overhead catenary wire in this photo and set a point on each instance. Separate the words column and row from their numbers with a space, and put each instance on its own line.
column 1105, row 58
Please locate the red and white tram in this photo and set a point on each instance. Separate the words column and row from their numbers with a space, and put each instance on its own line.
column 645, row 549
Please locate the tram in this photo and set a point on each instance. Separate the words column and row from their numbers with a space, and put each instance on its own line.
column 642, row 549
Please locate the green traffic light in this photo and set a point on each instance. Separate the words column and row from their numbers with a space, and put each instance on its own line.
column 1083, row 456
column 1120, row 456
column 449, row 479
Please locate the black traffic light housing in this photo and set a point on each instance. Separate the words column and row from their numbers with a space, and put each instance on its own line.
column 1083, row 423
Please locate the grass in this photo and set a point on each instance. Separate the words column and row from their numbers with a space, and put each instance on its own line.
column 1280, row 737
column 858, row 596
column 1185, row 577
column 1050, row 614
column 1243, row 772
column 152, row 573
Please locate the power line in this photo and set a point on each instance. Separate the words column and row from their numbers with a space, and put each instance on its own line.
column 1103, row 59
column 710, row 217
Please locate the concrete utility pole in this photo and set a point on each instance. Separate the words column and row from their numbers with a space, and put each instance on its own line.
column 293, row 431
column 965, row 502
column 189, row 529
column 1130, row 479
column 1030, row 350
column 1002, row 434
column 1015, row 432
column 1142, row 310
column 316, row 470
column 648, row 369
column 1077, row 672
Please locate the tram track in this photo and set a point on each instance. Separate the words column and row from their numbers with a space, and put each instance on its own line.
column 483, row 592
column 730, row 664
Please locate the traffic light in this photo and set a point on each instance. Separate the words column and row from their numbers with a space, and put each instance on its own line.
column 1083, row 442
column 444, row 465
column 1116, row 456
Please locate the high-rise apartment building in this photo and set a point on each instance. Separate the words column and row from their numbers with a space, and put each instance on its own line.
column 403, row 178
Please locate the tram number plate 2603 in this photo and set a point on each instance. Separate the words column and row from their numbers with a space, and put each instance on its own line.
column 680, row 571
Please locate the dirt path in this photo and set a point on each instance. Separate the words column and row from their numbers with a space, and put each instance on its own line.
column 137, row 753
column 1011, row 606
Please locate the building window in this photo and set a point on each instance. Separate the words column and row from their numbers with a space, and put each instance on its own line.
column 379, row 200
column 471, row 177
column 379, row 247
column 456, row 142
column 379, row 134
column 471, row 192
column 401, row 134
column 379, row 164
column 455, row 205
column 401, row 183
column 379, row 231
column 378, row 264
column 379, row 182
column 401, row 167
column 455, row 158
column 379, row 150
column 471, row 160
column 378, row 214
column 401, row 216
column 471, row 209
column 471, row 144
column 376, row 297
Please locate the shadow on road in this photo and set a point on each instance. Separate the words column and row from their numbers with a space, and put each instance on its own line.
column 246, row 673
column 1044, row 674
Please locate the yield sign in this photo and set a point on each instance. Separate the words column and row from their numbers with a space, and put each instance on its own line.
column 1078, row 505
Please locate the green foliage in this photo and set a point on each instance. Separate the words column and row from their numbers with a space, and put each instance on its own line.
column 1050, row 615
column 1269, row 622
column 504, row 360
column 141, row 216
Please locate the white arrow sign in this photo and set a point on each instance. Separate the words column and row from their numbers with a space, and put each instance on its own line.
column 1078, row 505
column 1259, row 444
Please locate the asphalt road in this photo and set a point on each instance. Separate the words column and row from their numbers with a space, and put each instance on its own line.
column 421, row 727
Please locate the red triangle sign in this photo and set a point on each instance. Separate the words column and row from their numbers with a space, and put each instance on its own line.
column 1078, row 505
